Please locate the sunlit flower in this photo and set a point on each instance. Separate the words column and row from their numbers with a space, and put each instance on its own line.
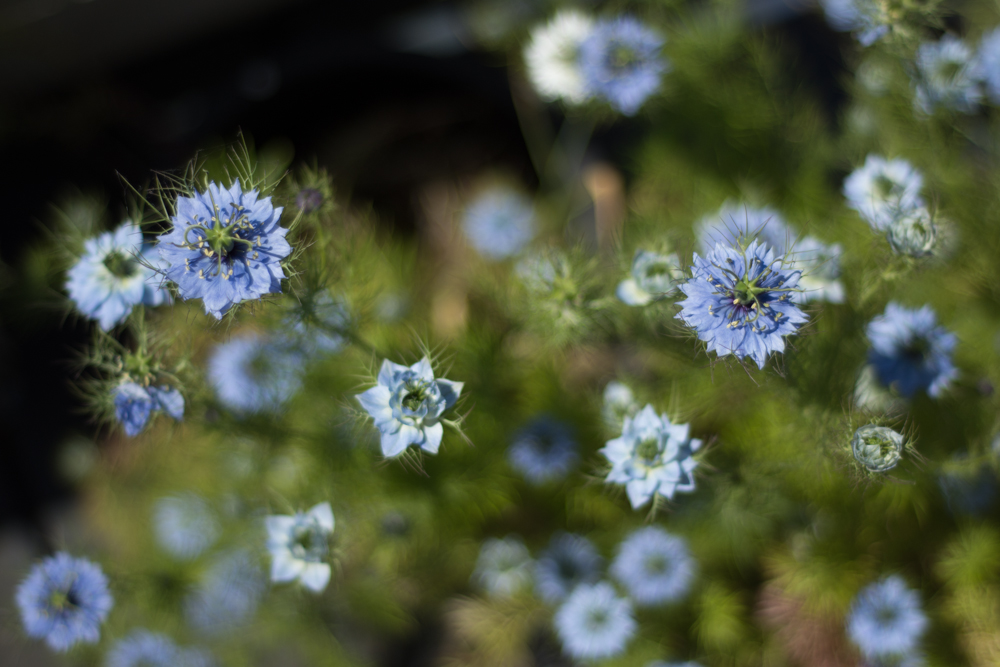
column 552, row 56
column 300, row 546
column 594, row 622
column 622, row 63
column 882, row 188
column 654, row 566
column 947, row 75
column 569, row 561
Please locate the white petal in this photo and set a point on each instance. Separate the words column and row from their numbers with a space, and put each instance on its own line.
column 323, row 514
column 315, row 576
column 284, row 567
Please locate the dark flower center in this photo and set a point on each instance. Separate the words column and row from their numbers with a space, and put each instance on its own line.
column 415, row 396
column 885, row 186
column 120, row 265
column 745, row 291
column 916, row 350
column 622, row 57
column 656, row 564
column 657, row 270
column 568, row 571
column 648, row 450
column 61, row 600
column 597, row 618
column 308, row 543
column 886, row 616
column 949, row 70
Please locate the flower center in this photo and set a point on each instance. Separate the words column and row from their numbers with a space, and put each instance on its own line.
column 622, row 57
column 916, row 350
column 308, row 543
column 416, row 394
column 60, row 600
column 648, row 450
column 656, row 564
column 597, row 618
column 120, row 265
column 949, row 70
column 745, row 291
column 885, row 186
column 885, row 616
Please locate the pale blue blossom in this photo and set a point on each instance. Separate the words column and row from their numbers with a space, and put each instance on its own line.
column 184, row 525
column 654, row 566
column 881, row 188
column 499, row 223
column 886, row 620
column 653, row 277
column 300, row 546
column 569, row 561
column 594, row 622
column 947, row 75
column 503, row 567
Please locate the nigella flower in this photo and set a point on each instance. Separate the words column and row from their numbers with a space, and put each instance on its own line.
column 594, row 622
column 499, row 223
column 407, row 404
column 947, row 75
column 886, row 620
column 654, row 566
column 913, row 232
column 569, row 561
column 228, row 596
column 621, row 62
column 543, row 451
column 909, row 352
column 861, row 17
column 503, row 567
column 989, row 64
column 739, row 301
column 184, row 525
column 64, row 600
column 253, row 374
column 142, row 648
column 225, row 247
column 654, row 277
column 619, row 403
column 300, row 545
column 882, row 188
column 134, row 403
column 110, row 278
column 552, row 56
column 652, row 457
column 318, row 324
column 877, row 448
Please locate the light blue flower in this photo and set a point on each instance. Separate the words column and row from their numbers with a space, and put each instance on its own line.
column 225, row 247
column 142, row 648
column 184, row 525
column 134, row 403
column 886, row 619
column 861, row 17
column 739, row 301
column 652, row 457
column 543, row 451
column 319, row 323
column 569, row 561
column 913, row 233
column 253, row 374
column 503, row 567
column 300, row 546
column 619, row 403
column 622, row 62
column 499, row 223
column 110, row 278
column 654, row 566
column 407, row 404
column 947, row 75
column 594, row 622
column 909, row 352
column 989, row 64
column 64, row 600
column 880, row 189
column 653, row 277
column 228, row 596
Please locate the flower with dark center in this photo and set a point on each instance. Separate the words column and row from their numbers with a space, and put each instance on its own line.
column 886, row 620
column 621, row 61
column 909, row 352
column 654, row 566
column 543, row 451
column 569, row 561
column 299, row 546
column 594, row 622
column 881, row 189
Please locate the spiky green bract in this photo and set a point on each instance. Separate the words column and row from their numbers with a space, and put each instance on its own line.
column 739, row 301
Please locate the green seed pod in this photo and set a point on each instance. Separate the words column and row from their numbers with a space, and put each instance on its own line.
column 877, row 448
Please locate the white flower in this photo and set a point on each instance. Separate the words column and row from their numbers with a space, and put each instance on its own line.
column 882, row 188
column 653, row 277
column 299, row 545
column 594, row 622
column 552, row 57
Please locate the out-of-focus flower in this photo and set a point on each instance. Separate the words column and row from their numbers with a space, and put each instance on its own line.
column 134, row 403
column 552, row 56
column 861, row 17
column 253, row 374
column 947, row 75
column 880, row 189
column 909, row 352
column 228, row 596
column 142, row 648
column 569, row 561
column 407, row 404
column 654, row 566
column 318, row 323
column 969, row 490
column 886, row 620
column 989, row 64
column 110, row 278
column 653, row 277
column 913, row 233
column 300, row 545
column 661, row 663
column 594, row 622
column 499, row 223
column 64, row 600
column 619, row 403
column 652, row 457
column 877, row 448
column 225, row 247
column 503, row 567
column 543, row 451
column 739, row 301
column 622, row 63
column 184, row 525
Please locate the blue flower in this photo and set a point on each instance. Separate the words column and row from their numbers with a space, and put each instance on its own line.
column 543, row 451
column 406, row 405
column 881, row 188
column 499, row 223
column 109, row 279
column 862, row 17
column 569, row 561
column 909, row 352
column 654, row 566
column 319, row 323
column 989, row 64
column 886, row 619
column 654, row 277
column 739, row 301
column 503, row 567
column 594, row 623
column 652, row 457
column 184, row 525
column 299, row 546
column 621, row 62
column 228, row 596
column 253, row 374
column 134, row 403
column 64, row 600
column 947, row 75
column 144, row 649
column 225, row 247
column 619, row 403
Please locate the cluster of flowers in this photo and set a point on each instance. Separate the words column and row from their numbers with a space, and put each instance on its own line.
column 592, row 619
